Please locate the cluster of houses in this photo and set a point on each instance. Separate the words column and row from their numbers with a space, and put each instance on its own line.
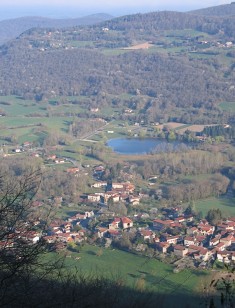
column 61, row 233
column 200, row 241
column 12, row 239
column 115, row 192
column 175, row 232
column 180, row 235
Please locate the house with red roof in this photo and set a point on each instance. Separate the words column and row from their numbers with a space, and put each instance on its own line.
column 162, row 246
column 224, row 256
column 123, row 222
column 93, row 197
column 192, row 231
column 114, row 233
column 159, row 224
column 170, row 238
column 220, row 247
column 180, row 219
column 126, row 222
column 201, row 239
column 147, row 235
column 227, row 241
column 214, row 241
column 189, row 240
column 206, row 229
column 65, row 237
column 180, row 251
column 199, row 252
column 101, row 232
column 115, row 224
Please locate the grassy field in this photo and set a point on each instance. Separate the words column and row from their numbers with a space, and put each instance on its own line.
column 226, row 205
column 114, row 51
column 183, row 33
column 30, row 121
column 82, row 44
column 116, row 264
column 228, row 106
column 15, row 106
column 28, row 129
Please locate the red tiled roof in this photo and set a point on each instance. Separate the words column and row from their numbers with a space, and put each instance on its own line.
column 114, row 232
column 126, row 220
column 179, row 247
column 189, row 238
column 164, row 222
column 146, row 232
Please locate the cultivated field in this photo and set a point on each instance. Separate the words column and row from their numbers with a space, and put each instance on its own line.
column 139, row 46
column 182, row 127
column 171, row 125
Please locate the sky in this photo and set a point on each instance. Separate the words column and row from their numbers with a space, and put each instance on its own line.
column 78, row 8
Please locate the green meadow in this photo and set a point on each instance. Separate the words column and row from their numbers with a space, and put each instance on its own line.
column 228, row 106
column 158, row 277
column 226, row 205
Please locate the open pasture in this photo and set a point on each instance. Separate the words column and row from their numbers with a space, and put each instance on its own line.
column 228, row 106
column 129, row 268
column 226, row 205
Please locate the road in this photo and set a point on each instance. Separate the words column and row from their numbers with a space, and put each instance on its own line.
column 85, row 138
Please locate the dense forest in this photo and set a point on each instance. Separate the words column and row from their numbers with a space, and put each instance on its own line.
column 220, row 10
column 165, row 20
column 42, row 64
column 174, row 81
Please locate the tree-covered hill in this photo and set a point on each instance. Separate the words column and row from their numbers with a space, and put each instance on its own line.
column 220, row 10
column 185, row 71
column 150, row 23
column 172, row 80
column 11, row 28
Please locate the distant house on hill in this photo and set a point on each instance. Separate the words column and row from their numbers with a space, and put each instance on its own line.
column 123, row 222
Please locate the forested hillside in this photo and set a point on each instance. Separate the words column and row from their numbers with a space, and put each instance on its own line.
column 174, row 59
column 149, row 24
column 220, row 10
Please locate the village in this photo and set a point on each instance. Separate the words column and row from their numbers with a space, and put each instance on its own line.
column 173, row 232
column 199, row 241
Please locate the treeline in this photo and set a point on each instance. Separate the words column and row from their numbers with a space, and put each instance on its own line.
column 171, row 165
column 219, row 130
column 54, row 182
column 215, row 185
column 81, row 129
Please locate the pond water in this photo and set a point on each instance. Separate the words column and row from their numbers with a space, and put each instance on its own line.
column 143, row 146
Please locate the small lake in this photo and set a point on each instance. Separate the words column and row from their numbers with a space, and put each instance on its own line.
column 144, row 146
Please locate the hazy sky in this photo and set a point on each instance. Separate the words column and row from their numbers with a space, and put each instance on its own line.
column 76, row 8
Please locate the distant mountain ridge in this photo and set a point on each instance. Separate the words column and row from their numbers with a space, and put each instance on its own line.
column 150, row 23
column 220, row 10
column 11, row 28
